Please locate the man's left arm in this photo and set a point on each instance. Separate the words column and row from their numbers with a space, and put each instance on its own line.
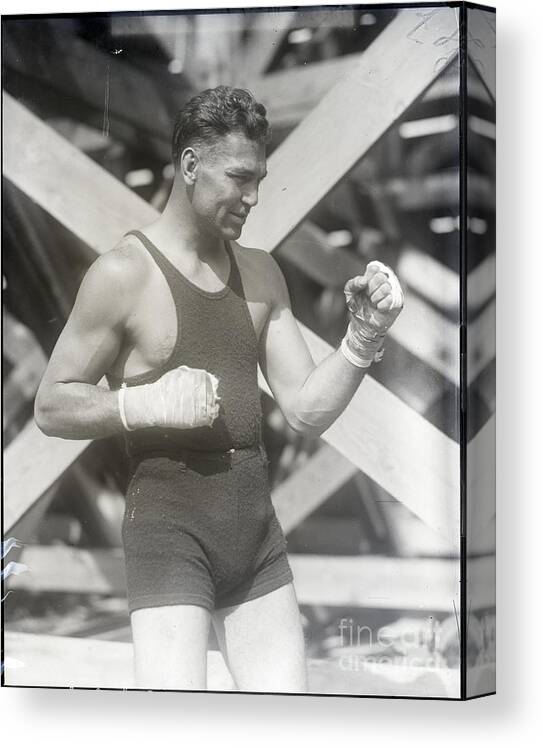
column 312, row 397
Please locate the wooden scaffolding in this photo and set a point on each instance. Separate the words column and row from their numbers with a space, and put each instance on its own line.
column 349, row 102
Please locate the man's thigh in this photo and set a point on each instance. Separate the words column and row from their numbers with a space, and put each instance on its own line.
column 262, row 642
column 170, row 646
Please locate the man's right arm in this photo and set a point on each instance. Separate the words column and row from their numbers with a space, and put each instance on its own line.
column 70, row 403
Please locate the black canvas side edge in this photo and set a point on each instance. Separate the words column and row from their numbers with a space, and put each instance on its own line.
column 479, row 6
column 463, row 415
column 247, row 9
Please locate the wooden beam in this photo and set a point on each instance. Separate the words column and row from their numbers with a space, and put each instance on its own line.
column 446, row 86
column 18, row 342
column 441, row 285
column 98, row 209
column 397, row 67
column 307, row 488
column 436, row 340
column 378, row 582
column 310, row 251
column 64, row 569
column 21, row 385
column 61, row 661
column 32, row 463
column 325, row 18
column 439, row 190
column 60, row 179
column 430, row 336
column 359, row 581
column 25, row 355
column 387, row 449
column 25, row 377
column 22, row 350
column 289, row 95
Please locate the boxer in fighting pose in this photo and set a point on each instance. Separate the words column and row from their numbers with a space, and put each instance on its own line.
column 177, row 317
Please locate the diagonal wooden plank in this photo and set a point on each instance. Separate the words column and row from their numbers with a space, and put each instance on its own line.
column 400, row 64
column 21, row 385
column 40, row 162
column 309, row 249
column 440, row 284
column 384, row 438
column 436, row 340
column 378, row 432
column 289, row 95
column 32, row 463
column 306, row 489
column 18, row 341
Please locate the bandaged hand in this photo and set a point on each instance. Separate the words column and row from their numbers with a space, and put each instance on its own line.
column 374, row 301
column 183, row 398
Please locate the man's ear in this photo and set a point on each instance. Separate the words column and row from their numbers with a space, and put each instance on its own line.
column 189, row 163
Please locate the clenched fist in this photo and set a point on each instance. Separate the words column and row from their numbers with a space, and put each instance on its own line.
column 374, row 301
column 183, row 398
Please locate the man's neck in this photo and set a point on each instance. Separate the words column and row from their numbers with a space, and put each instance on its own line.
column 178, row 229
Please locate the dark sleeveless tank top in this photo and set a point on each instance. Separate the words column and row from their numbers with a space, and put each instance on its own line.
column 214, row 332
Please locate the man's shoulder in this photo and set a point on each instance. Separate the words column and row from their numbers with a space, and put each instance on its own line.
column 124, row 263
column 259, row 269
column 256, row 260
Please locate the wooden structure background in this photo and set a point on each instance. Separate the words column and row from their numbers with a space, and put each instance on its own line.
column 347, row 104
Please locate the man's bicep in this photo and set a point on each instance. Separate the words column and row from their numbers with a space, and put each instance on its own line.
column 92, row 337
column 285, row 359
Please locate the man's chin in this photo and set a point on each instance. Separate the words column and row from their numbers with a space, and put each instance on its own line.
column 232, row 232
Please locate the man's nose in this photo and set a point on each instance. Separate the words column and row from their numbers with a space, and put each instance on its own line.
column 250, row 196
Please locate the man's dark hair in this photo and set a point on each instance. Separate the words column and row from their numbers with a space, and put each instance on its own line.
column 216, row 112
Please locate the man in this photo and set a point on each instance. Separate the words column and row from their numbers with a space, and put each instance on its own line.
column 178, row 316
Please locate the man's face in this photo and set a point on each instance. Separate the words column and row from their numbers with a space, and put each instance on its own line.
column 226, row 185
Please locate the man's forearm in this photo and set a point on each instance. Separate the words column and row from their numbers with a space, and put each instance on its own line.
column 374, row 300
column 326, row 393
column 182, row 398
column 75, row 410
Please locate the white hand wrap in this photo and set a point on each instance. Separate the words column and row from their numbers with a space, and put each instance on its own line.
column 183, row 398
column 363, row 342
